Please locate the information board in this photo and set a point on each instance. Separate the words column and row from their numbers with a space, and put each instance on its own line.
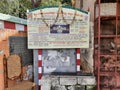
column 58, row 27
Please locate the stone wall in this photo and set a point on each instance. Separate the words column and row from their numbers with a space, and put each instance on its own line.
column 51, row 82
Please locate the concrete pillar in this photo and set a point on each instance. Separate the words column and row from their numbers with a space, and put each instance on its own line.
column 35, row 53
column 89, row 4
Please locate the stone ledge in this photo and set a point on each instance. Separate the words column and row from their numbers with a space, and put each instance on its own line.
column 86, row 80
column 68, row 80
column 57, row 82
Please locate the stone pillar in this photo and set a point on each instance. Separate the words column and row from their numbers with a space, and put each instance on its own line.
column 89, row 4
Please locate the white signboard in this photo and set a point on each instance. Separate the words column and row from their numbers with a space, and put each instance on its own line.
column 58, row 27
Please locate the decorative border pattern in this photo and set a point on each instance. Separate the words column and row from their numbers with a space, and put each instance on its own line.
column 78, row 60
column 12, row 25
column 39, row 67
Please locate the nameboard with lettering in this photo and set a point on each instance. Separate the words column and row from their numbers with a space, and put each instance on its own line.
column 58, row 27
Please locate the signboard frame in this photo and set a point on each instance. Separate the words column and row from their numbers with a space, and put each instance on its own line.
column 76, row 69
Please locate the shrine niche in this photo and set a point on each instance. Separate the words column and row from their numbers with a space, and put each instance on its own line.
column 59, row 32
column 58, row 35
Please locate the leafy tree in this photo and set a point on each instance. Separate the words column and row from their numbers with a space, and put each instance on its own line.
column 18, row 8
column 55, row 2
column 9, row 7
column 51, row 3
column 23, row 6
column 66, row 1
column 3, row 6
